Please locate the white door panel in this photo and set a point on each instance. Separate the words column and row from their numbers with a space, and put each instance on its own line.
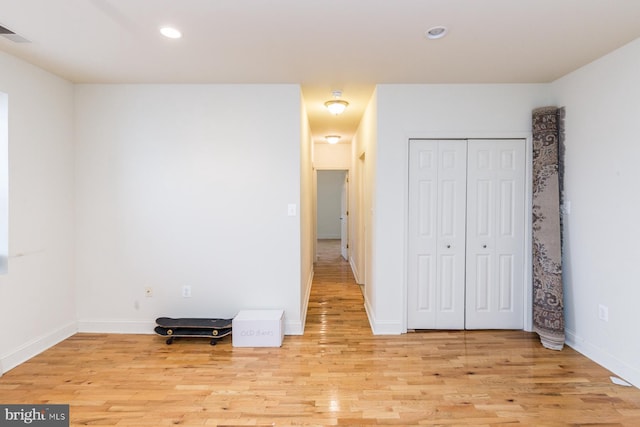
column 423, row 188
column 495, row 234
column 425, row 276
column 437, row 233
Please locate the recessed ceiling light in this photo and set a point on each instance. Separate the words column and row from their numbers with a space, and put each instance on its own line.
column 170, row 32
column 436, row 32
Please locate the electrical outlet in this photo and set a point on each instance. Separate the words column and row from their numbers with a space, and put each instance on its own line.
column 603, row 312
column 148, row 292
column 186, row 291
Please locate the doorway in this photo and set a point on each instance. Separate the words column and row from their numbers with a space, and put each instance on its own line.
column 332, row 214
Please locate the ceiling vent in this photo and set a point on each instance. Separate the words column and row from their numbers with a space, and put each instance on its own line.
column 8, row 34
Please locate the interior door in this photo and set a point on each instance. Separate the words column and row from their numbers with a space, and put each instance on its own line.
column 436, row 265
column 344, row 218
column 495, row 234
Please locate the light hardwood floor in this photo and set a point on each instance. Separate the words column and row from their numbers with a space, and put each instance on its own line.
column 338, row 373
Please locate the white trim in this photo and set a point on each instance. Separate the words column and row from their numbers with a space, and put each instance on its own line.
column 36, row 346
column 603, row 358
column 382, row 327
column 354, row 270
column 294, row 327
column 297, row 328
column 528, row 233
column 329, row 237
column 116, row 326
column 331, row 168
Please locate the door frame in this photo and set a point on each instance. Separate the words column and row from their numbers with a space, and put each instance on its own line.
column 344, row 217
column 528, row 208
column 315, row 218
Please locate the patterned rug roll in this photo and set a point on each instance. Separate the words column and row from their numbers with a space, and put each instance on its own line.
column 548, row 303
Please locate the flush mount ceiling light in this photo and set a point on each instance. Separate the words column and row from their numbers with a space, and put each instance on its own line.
column 332, row 139
column 434, row 33
column 170, row 32
column 336, row 106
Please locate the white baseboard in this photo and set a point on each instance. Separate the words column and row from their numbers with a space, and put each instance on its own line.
column 116, row 326
column 354, row 270
column 292, row 327
column 36, row 346
column 629, row 373
column 381, row 327
column 307, row 296
column 296, row 327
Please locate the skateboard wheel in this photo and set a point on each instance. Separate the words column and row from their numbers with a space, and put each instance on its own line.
column 169, row 331
column 215, row 332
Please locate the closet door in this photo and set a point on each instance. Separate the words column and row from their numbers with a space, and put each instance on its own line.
column 495, row 234
column 436, row 264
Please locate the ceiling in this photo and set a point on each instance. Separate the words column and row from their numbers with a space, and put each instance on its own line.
column 323, row 45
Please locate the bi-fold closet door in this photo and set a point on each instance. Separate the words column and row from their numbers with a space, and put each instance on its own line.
column 466, row 234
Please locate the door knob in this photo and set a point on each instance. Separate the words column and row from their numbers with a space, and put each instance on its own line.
column 484, row 246
column 448, row 246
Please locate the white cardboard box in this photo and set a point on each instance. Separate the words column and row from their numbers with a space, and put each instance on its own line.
column 258, row 328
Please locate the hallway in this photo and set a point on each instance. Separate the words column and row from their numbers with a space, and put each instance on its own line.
column 336, row 306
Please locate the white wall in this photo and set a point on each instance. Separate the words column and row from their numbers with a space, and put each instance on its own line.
column 187, row 185
column 602, row 231
column 409, row 111
column 330, row 183
column 37, row 295
column 363, row 191
column 331, row 156
column 307, row 215
column 4, row 182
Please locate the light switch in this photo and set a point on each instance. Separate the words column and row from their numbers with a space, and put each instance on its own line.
column 291, row 209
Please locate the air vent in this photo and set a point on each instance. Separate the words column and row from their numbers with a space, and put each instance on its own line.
column 8, row 34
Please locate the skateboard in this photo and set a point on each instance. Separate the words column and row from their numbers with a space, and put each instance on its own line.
column 214, row 329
